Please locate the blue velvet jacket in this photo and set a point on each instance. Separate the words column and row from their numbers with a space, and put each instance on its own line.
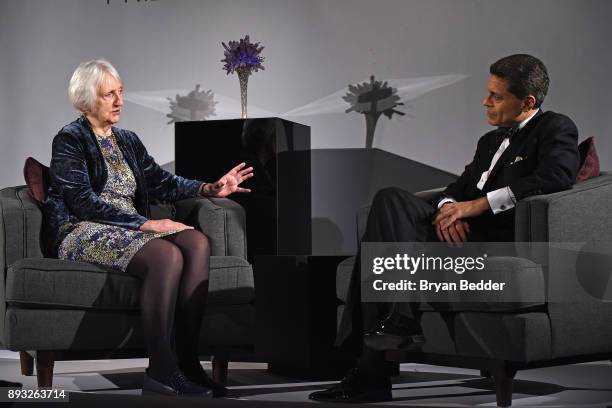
column 78, row 175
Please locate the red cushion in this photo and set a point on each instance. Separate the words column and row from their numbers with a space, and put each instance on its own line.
column 36, row 177
column 589, row 161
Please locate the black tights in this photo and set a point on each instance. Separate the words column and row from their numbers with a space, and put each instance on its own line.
column 174, row 275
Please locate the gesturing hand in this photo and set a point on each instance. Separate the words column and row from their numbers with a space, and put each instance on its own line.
column 165, row 225
column 229, row 183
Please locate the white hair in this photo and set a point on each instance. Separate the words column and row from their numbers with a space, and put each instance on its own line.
column 83, row 88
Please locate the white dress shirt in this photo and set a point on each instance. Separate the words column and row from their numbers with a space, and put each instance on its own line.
column 503, row 198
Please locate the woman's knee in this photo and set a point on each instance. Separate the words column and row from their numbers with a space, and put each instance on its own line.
column 163, row 258
column 172, row 256
column 193, row 243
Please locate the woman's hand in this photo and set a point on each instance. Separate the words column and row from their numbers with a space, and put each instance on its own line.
column 229, row 183
column 163, row 226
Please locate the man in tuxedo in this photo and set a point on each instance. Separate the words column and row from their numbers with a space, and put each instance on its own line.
column 530, row 152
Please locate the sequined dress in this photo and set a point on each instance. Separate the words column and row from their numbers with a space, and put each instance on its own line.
column 103, row 244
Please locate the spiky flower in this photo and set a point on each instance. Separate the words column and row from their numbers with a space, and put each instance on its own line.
column 196, row 105
column 242, row 55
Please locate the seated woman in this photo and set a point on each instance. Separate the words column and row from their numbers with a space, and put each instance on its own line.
column 97, row 211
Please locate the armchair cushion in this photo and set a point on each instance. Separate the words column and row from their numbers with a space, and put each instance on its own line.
column 524, row 276
column 36, row 177
column 524, row 280
column 589, row 161
column 54, row 283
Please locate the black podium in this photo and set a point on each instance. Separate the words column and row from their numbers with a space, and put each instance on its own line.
column 278, row 208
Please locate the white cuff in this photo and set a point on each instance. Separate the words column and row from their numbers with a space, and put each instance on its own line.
column 446, row 200
column 501, row 200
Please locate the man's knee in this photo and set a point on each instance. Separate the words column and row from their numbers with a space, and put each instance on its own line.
column 388, row 194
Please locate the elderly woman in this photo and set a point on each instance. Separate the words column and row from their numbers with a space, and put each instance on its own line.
column 97, row 211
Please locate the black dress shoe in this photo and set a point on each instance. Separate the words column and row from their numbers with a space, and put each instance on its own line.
column 396, row 332
column 178, row 384
column 356, row 387
column 200, row 378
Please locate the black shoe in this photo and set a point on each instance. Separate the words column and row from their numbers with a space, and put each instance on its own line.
column 200, row 378
column 356, row 387
column 177, row 385
column 396, row 332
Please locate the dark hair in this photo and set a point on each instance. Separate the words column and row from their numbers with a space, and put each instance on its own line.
column 526, row 75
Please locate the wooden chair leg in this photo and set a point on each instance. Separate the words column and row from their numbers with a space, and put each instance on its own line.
column 45, row 361
column 27, row 363
column 219, row 370
column 503, row 377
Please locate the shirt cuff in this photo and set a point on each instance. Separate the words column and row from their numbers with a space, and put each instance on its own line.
column 501, row 200
column 446, row 200
column 201, row 190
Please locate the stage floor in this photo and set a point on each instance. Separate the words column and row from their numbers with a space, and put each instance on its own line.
column 579, row 385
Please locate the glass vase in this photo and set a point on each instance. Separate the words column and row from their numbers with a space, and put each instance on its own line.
column 243, row 78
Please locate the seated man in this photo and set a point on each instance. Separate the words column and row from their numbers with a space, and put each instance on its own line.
column 531, row 152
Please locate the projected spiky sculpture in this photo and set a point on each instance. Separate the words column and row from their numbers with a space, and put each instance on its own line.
column 372, row 99
column 196, row 105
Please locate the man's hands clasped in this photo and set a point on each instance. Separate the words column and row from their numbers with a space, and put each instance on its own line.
column 450, row 223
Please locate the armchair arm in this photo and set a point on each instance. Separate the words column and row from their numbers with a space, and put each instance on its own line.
column 579, row 214
column 579, row 224
column 431, row 196
column 221, row 219
column 20, row 224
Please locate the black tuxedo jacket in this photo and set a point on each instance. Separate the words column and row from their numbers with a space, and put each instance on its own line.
column 541, row 158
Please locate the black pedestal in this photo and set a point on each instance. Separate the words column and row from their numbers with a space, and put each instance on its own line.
column 296, row 306
column 278, row 208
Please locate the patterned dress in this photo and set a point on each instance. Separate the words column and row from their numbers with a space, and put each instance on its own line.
column 103, row 244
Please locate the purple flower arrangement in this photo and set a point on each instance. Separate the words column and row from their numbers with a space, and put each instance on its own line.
column 242, row 56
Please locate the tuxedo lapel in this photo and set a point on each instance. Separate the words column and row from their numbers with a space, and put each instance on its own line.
column 513, row 148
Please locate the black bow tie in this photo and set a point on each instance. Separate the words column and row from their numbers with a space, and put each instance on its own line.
column 509, row 133
column 512, row 132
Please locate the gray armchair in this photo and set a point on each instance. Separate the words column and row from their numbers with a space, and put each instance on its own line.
column 553, row 332
column 53, row 309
